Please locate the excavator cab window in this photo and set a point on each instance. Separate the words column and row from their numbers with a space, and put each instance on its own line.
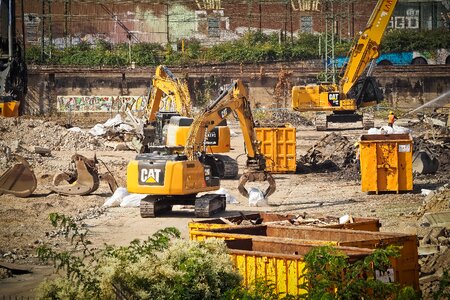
column 162, row 120
column 366, row 90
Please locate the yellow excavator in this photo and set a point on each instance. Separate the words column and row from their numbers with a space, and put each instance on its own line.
column 174, row 176
column 354, row 90
column 169, row 110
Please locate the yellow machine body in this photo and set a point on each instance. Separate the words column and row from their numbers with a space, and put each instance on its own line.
column 218, row 139
column 169, row 177
column 321, row 97
column 9, row 108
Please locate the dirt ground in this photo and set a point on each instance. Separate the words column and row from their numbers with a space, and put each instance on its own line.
column 24, row 223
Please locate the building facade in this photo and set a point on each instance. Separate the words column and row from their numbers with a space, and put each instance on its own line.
column 65, row 22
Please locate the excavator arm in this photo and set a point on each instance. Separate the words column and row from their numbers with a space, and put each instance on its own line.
column 165, row 82
column 367, row 47
column 233, row 99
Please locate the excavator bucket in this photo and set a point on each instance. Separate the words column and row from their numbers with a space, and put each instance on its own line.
column 252, row 176
column 83, row 181
column 19, row 180
column 425, row 163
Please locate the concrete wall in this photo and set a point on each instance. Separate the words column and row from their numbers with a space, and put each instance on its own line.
column 404, row 87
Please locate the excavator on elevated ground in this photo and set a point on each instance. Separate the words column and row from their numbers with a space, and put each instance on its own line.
column 175, row 176
column 170, row 106
column 13, row 71
column 354, row 90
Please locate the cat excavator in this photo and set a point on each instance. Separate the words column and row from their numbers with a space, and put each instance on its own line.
column 354, row 90
column 170, row 106
column 176, row 176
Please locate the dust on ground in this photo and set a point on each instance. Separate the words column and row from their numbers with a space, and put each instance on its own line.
column 320, row 190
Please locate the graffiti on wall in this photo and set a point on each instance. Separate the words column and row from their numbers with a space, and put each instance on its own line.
column 100, row 103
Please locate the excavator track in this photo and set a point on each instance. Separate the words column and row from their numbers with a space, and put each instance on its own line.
column 152, row 206
column 209, row 204
column 321, row 122
column 368, row 121
column 230, row 166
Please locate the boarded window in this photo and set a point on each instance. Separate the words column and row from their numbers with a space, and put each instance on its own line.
column 306, row 24
column 213, row 27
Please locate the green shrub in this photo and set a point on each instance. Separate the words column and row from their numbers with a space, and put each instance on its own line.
column 329, row 275
column 161, row 267
column 415, row 40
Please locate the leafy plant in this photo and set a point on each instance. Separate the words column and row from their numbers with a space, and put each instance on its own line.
column 444, row 287
column 415, row 40
column 329, row 275
column 161, row 267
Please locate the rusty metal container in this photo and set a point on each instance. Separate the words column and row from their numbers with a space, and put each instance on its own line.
column 367, row 224
column 386, row 162
column 405, row 267
column 278, row 145
column 278, row 261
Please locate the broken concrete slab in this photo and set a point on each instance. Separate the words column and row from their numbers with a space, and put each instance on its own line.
column 42, row 151
column 428, row 250
column 438, row 219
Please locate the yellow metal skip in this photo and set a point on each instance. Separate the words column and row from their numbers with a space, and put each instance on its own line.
column 386, row 163
column 284, row 271
column 278, row 145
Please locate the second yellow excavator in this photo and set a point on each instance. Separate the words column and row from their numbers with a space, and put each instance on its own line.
column 172, row 177
column 353, row 90
column 169, row 107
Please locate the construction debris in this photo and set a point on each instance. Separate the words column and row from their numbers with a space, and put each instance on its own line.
column 434, row 251
column 20, row 134
column 280, row 117
column 333, row 152
column 113, row 129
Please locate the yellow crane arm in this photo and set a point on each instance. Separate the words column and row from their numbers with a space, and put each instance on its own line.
column 165, row 82
column 233, row 99
column 367, row 47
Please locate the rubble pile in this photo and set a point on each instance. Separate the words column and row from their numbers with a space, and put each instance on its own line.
column 333, row 152
column 280, row 117
column 21, row 134
column 434, row 248
column 436, row 201
column 434, row 260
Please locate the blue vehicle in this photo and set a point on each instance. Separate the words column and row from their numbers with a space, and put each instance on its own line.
column 437, row 57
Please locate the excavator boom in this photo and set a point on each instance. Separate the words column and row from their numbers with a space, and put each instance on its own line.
column 165, row 82
column 367, row 47
column 233, row 99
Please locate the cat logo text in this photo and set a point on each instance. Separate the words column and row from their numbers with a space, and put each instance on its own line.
column 151, row 176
